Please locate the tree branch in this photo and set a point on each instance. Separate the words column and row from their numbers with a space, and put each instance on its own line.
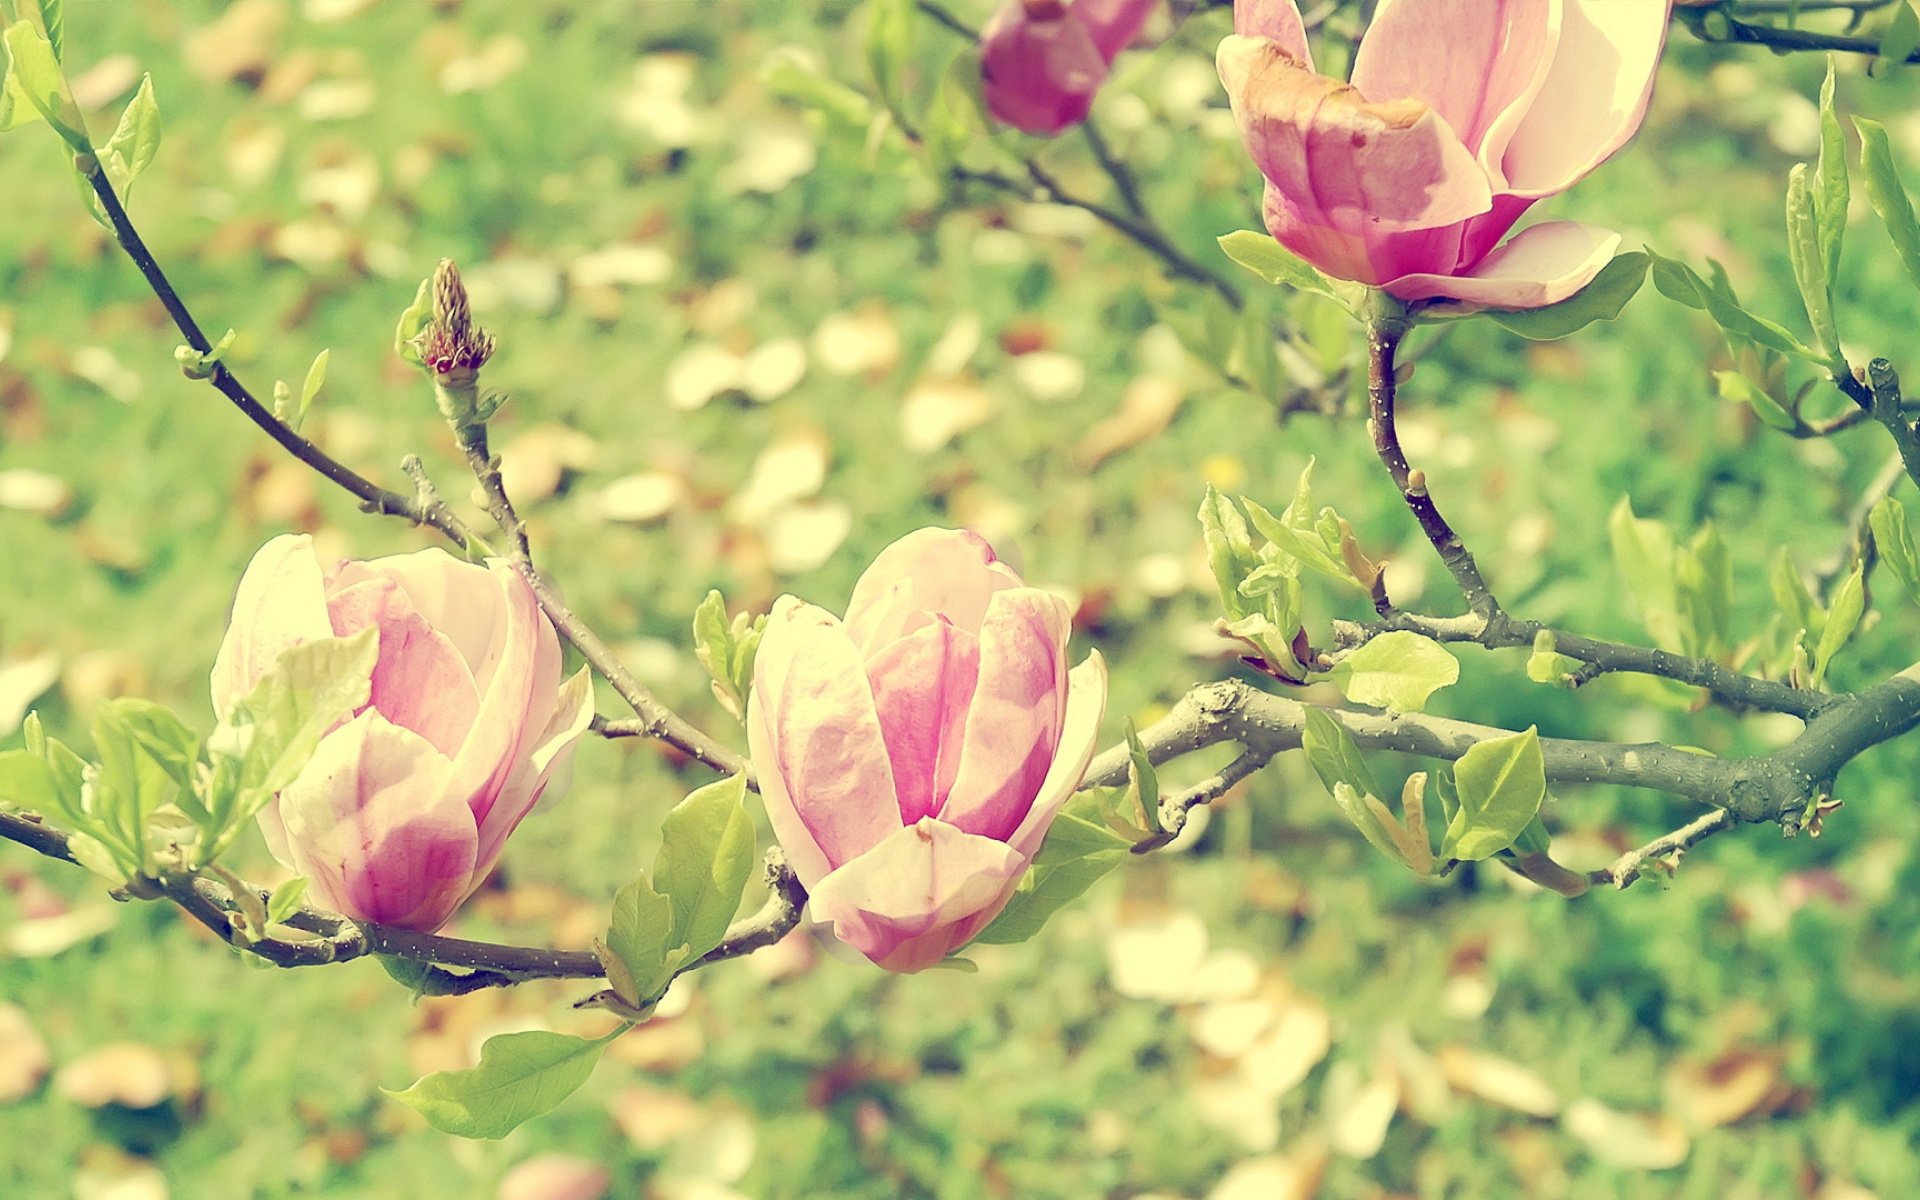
column 480, row 964
column 1778, row 38
column 1625, row 870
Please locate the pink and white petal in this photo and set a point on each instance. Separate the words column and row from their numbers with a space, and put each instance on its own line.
column 421, row 681
column 1113, row 24
column 1086, row 704
column 456, row 598
column 1342, row 161
column 1279, row 22
column 1477, row 63
column 545, row 769
column 281, row 602
column 1594, row 97
column 804, row 855
column 1542, row 264
column 516, row 699
column 1013, row 723
column 953, row 572
column 822, row 733
column 922, row 685
column 920, row 894
column 371, row 823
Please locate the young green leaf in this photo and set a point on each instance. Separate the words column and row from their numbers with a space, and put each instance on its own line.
column 1643, row 553
column 1500, row 783
column 413, row 323
column 1894, row 541
column 261, row 746
column 1078, row 852
column 1683, row 284
column 1809, row 262
column 285, row 900
column 1143, row 784
column 639, row 952
column 34, row 75
column 1397, row 670
column 1887, row 194
column 311, row 385
column 1333, row 756
column 1833, row 190
column 1601, row 300
column 520, row 1076
column 706, row 857
column 1229, row 549
column 1275, row 264
column 27, row 784
column 135, row 140
column 1898, row 40
column 1546, row 664
column 1843, row 617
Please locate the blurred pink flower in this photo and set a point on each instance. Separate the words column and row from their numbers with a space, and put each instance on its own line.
column 1041, row 61
column 405, row 807
column 912, row 757
column 1460, row 114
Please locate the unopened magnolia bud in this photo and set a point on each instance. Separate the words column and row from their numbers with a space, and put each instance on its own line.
column 1416, row 482
column 451, row 345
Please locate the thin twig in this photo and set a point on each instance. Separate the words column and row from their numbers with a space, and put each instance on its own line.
column 1778, row 38
column 1628, row 867
column 1124, row 184
column 1383, row 340
column 1174, row 810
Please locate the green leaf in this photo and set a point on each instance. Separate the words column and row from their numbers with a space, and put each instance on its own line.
column 135, row 140
column 520, row 1076
column 1370, row 817
column 1736, row 387
column 1275, row 264
column 262, row 745
column 706, row 857
column 1887, row 194
column 413, row 323
column 311, row 385
column 1895, row 543
column 1643, row 553
column 1703, row 592
column 1229, row 549
column 1397, row 671
column 285, row 900
column 1683, row 284
column 1843, row 617
column 1898, row 41
column 1833, row 191
column 889, row 47
column 1143, row 783
column 1534, row 839
column 28, row 784
column 1333, row 756
column 789, row 76
column 1501, row 783
column 1810, row 265
column 1601, row 300
column 1791, row 595
column 34, row 76
column 1545, row 664
column 1078, row 852
column 715, row 646
column 640, row 943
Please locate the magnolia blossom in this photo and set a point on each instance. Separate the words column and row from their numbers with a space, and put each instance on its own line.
column 1460, row 114
column 912, row 757
column 1041, row 61
column 405, row 807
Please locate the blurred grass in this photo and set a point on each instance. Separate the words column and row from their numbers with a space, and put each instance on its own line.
column 1035, row 1078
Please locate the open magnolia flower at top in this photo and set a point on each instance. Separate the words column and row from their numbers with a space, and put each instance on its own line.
column 913, row 756
column 1460, row 114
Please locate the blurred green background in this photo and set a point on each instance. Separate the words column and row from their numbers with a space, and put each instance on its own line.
column 748, row 344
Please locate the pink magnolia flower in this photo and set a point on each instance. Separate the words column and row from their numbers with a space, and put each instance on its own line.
column 405, row 807
column 1041, row 61
column 912, row 757
column 1460, row 114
